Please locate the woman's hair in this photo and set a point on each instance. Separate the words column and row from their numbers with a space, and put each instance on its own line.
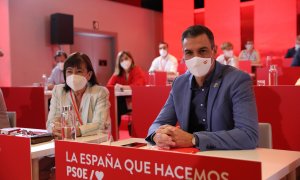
column 77, row 60
column 226, row 45
column 118, row 69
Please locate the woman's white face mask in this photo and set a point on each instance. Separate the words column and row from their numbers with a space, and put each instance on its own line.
column 198, row 66
column 126, row 64
column 76, row 82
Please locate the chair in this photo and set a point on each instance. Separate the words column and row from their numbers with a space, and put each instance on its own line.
column 12, row 117
column 265, row 135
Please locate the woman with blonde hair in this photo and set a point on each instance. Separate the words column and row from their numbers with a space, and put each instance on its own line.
column 126, row 74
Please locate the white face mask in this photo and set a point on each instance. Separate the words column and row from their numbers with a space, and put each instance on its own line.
column 297, row 46
column 228, row 53
column 60, row 65
column 249, row 47
column 198, row 66
column 163, row 52
column 125, row 64
column 76, row 82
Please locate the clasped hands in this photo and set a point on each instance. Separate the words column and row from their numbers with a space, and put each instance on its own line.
column 167, row 136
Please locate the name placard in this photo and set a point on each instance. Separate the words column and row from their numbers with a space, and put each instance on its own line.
column 91, row 161
column 15, row 157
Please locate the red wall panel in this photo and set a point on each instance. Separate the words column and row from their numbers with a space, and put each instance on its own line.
column 223, row 18
column 199, row 16
column 177, row 16
column 247, row 23
column 275, row 26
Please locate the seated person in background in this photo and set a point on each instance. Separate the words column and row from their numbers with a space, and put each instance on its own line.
column 4, row 122
column 1, row 53
column 292, row 51
column 228, row 58
column 296, row 59
column 213, row 104
column 165, row 62
column 126, row 74
column 250, row 53
column 57, row 76
column 82, row 91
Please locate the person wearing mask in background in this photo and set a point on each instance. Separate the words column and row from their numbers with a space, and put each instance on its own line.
column 57, row 76
column 81, row 90
column 213, row 104
column 295, row 53
column 89, row 101
column 250, row 53
column 126, row 74
column 165, row 62
column 228, row 58
column 4, row 122
column 292, row 51
column 1, row 53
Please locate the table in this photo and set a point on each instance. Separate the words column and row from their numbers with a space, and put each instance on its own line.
column 47, row 149
column 276, row 164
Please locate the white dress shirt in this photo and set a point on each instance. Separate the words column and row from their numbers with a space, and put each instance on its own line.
column 233, row 61
column 167, row 64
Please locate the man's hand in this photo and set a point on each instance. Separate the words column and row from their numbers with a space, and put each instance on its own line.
column 163, row 141
column 170, row 136
column 182, row 138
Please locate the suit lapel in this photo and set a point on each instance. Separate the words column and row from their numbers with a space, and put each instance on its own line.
column 213, row 91
column 85, row 105
column 186, row 104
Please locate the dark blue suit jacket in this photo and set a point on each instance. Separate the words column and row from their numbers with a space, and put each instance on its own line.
column 231, row 110
column 290, row 53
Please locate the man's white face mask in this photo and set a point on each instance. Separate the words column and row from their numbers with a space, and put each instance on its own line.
column 163, row 52
column 76, row 82
column 198, row 66
column 228, row 53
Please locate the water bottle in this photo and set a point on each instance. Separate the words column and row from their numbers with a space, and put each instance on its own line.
column 273, row 75
column 45, row 82
column 68, row 124
column 151, row 80
column 268, row 61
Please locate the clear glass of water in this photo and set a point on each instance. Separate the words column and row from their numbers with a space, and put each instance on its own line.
column 68, row 126
column 105, row 135
column 151, row 80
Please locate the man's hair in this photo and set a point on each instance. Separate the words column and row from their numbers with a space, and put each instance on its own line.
column 196, row 30
column 60, row 53
column 162, row 42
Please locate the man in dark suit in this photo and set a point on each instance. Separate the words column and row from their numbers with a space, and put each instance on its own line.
column 213, row 104
column 292, row 51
